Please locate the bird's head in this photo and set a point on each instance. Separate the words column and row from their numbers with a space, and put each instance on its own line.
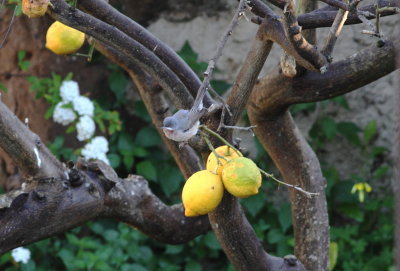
column 169, row 126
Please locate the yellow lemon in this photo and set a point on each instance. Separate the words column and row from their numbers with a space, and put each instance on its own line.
column 34, row 8
column 62, row 39
column 241, row 177
column 202, row 193
column 226, row 152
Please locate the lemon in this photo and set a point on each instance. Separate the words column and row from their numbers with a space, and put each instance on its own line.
column 241, row 177
column 202, row 193
column 34, row 8
column 226, row 152
column 62, row 39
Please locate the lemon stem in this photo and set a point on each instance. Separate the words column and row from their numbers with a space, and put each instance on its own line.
column 220, row 138
column 89, row 54
column 298, row 188
column 211, row 147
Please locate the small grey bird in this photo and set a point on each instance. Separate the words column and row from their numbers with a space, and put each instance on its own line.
column 184, row 124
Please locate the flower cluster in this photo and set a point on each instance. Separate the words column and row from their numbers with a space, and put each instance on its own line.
column 74, row 105
column 21, row 255
column 96, row 149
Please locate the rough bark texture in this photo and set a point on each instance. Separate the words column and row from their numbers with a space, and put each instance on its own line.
column 91, row 190
column 396, row 159
column 299, row 166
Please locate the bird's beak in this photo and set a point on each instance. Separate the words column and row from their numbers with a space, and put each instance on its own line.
column 166, row 128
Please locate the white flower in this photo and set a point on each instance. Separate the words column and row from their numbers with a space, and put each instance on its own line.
column 96, row 149
column 63, row 115
column 21, row 254
column 100, row 143
column 83, row 105
column 103, row 157
column 69, row 90
column 85, row 128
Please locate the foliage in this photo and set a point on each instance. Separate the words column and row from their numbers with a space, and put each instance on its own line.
column 361, row 233
column 23, row 64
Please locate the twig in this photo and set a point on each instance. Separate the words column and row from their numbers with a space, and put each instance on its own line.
column 248, row 128
column 9, row 26
column 334, row 32
column 205, row 128
column 211, row 64
column 389, row 9
column 372, row 30
column 339, row 4
column 377, row 16
column 212, row 149
column 299, row 43
column 298, row 188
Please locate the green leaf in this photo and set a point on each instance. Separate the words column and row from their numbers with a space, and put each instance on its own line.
column 306, row 107
column 125, row 144
column 171, row 179
column 147, row 170
column 380, row 172
column 352, row 211
column 377, row 150
column 174, row 249
column 285, row 216
column 21, row 55
column 274, row 236
column 350, row 131
column 342, row 101
column 70, row 129
column 115, row 159
column 140, row 152
column 333, row 255
column 141, row 111
column 329, row 127
column 190, row 57
column 118, row 83
column 24, row 65
column 128, row 161
column 133, row 267
column 148, row 137
column 254, row 204
column 193, row 266
column 110, row 235
column 369, row 132
column 220, row 86
column 211, row 241
column 3, row 88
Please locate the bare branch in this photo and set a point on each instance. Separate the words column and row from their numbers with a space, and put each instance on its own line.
column 299, row 43
column 240, row 242
column 108, row 14
column 245, row 80
column 299, row 167
column 26, row 149
column 132, row 202
column 346, row 75
column 218, row 53
column 333, row 34
column 127, row 46
column 93, row 190
column 324, row 17
column 336, row 3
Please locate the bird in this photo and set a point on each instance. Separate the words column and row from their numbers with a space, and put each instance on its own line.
column 184, row 124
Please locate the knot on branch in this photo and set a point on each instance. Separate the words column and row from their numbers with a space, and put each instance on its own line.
column 295, row 29
column 106, row 174
column 290, row 260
